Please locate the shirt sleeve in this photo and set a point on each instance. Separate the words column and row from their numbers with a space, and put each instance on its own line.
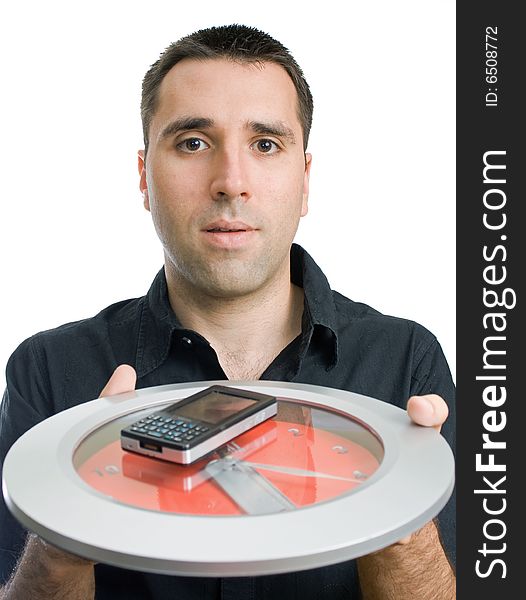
column 24, row 404
column 432, row 376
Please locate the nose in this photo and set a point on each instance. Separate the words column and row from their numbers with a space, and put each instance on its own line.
column 229, row 175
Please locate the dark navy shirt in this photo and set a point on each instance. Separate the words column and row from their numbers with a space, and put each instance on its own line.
column 343, row 344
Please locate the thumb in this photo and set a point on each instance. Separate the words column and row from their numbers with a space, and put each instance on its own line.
column 123, row 379
column 428, row 410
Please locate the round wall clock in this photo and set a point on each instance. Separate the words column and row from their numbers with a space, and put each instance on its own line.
column 333, row 476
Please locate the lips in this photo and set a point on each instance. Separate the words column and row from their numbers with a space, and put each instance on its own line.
column 228, row 227
column 229, row 236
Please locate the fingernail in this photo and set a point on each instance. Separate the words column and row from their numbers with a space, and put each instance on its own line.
column 431, row 405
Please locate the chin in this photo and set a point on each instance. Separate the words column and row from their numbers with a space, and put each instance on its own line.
column 228, row 279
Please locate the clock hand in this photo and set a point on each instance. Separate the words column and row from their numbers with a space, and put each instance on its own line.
column 252, row 492
column 299, row 472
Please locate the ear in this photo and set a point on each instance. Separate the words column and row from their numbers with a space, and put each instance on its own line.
column 306, row 176
column 143, row 186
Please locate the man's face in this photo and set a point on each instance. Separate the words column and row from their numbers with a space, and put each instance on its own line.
column 225, row 177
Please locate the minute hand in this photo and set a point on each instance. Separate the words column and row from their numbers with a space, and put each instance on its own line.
column 299, row 472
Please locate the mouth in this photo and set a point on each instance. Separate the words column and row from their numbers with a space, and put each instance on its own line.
column 230, row 235
column 223, row 230
column 228, row 227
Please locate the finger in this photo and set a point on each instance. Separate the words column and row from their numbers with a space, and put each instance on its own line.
column 123, row 379
column 429, row 410
column 404, row 541
column 407, row 539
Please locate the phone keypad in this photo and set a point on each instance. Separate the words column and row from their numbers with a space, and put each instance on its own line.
column 170, row 429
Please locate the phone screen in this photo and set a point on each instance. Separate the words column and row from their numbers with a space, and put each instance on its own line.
column 212, row 408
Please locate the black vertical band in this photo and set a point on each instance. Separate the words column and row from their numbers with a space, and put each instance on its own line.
column 491, row 167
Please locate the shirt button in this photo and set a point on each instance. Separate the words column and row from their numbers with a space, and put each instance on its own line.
column 187, row 340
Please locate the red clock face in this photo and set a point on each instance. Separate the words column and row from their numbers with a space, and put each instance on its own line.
column 300, row 457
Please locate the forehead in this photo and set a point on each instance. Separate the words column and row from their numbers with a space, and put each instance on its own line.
column 227, row 92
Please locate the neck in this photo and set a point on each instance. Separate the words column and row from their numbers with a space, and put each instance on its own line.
column 251, row 329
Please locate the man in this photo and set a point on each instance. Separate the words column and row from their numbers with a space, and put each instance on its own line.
column 226, row 116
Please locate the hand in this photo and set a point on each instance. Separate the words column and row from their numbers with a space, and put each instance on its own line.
column 430, row 411
column 122, row 380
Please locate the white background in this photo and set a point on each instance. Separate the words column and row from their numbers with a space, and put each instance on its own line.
column 74, row 235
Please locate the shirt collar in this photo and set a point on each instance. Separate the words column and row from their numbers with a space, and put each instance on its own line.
column 159, row 323
column 319, row 324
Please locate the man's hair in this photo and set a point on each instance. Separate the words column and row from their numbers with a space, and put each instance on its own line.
column 238, row 43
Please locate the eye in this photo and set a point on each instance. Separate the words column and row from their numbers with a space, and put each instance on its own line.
column 266, row 146
column 192, row 145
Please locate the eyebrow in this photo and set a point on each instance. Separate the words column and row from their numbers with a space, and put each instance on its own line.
column 186, row 124
column 277, row 128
